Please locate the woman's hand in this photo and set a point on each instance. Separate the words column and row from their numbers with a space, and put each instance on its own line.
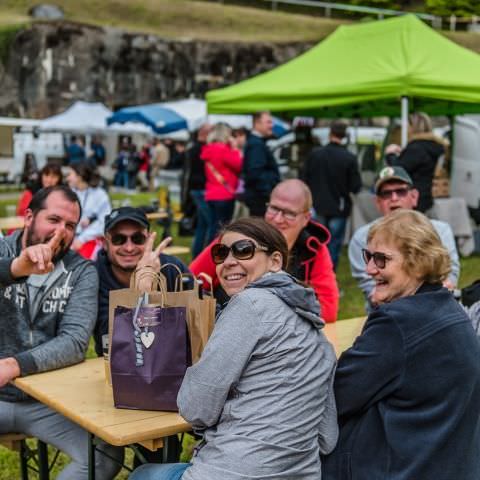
column 84, row 222
column 393, row 148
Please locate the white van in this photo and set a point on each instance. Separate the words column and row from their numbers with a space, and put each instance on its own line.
column 465, row 174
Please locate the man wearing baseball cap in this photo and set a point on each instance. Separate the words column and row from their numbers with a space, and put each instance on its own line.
column 394, row 189
column 129, row 245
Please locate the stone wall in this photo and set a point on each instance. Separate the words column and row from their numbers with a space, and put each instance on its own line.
column 51, row 64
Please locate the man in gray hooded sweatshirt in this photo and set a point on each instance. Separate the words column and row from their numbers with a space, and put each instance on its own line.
column 48, row 300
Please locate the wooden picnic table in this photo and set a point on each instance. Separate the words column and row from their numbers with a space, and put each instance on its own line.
column 81, row 393
column 7, row 223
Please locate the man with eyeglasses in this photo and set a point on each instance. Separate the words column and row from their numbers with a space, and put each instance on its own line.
column 394, row 189
column 288, row 210
column 129, row 245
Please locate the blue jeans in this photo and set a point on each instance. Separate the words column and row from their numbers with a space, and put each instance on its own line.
column 221, row 213
column 200, row 238
column 36, row 419
column 167, row 471
column 337, row 226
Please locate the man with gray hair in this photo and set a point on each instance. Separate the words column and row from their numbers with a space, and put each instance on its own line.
column 394, row 189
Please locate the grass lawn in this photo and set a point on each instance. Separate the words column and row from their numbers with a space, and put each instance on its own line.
column 351, row 305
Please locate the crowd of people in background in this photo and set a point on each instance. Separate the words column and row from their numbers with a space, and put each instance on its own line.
column 399, row 402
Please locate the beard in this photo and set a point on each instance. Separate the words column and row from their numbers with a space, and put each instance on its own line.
column 33, row 239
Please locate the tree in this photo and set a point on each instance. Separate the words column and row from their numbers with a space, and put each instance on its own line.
column 460, row 8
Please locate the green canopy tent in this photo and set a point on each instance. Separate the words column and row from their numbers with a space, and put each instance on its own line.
column 364, row 71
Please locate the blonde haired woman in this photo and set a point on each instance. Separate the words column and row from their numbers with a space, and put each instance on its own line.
column 408, row 390
column 420, row 157
column 223, row 164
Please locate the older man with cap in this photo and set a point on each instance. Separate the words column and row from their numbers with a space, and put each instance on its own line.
column 394, row 189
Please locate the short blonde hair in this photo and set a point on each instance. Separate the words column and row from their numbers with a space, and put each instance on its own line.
column 420, row 122
column 413, row 234
column 220, row 134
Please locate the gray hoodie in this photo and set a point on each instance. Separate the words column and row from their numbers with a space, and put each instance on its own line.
column 262, row 390
column 52, row 330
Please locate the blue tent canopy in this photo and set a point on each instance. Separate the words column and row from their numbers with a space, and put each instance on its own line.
column 161, row 119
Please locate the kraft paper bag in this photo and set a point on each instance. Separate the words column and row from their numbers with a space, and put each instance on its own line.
column 200, row 310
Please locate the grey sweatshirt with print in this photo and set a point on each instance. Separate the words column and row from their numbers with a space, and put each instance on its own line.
column 55, row 330
column 262, row 390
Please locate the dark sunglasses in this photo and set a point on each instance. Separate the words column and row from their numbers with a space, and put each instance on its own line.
column 241, row 250
column 399, row 192
column 137, row 238
column 379, row 259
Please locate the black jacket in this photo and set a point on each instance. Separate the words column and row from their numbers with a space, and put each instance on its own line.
column 332, row 174
column 419, row 159
column 408, row 394
column 108, row 282
column 260, row 170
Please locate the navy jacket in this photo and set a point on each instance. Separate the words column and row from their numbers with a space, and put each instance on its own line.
column 408, row 394
column 108, row 282
column 332, row 174
column 260, row 170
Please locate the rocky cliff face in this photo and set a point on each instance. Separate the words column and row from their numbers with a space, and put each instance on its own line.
column 50, row 65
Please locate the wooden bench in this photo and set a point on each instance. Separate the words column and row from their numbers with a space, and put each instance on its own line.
column 33, row 459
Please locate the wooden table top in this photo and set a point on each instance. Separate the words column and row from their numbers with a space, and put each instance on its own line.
column 343, row 332
column 176, row 250
column 6, row 223
column 81, row 394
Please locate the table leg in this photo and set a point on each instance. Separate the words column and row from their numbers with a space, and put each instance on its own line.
column 91, row 456
column 43, row 470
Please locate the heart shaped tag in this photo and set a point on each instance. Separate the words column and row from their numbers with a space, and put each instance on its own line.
column 147, row 339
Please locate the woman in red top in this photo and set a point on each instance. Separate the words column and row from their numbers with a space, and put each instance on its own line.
column 223, row 164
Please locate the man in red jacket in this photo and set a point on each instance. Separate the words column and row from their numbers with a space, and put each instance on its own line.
column 289, row 211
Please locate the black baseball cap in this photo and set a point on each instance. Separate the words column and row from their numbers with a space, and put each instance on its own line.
column 389, row 174
column 122, row 214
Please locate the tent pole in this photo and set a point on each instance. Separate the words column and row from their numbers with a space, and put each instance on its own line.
column 404, row 121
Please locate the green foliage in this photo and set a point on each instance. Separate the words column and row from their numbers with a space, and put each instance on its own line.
column 7, row 34
column 460, row 8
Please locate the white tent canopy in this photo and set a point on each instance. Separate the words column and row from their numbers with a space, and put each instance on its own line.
column 85, row 117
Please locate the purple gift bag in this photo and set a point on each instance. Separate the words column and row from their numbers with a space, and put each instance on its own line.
column 149, row 356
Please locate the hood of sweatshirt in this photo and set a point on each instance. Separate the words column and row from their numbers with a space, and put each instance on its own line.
column 299, row 298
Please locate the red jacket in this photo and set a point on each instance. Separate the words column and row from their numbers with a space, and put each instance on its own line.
column 24, row 202
column 222, row 179
column 310, row 262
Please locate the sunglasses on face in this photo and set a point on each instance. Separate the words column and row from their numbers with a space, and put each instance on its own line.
column 241, row 250
column 137, row 238
column 399, row 192
column 273, row 211
column 379, row 259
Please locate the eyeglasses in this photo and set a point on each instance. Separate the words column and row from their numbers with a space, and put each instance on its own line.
column 379, row 259
column 399, row 192
column 137, row 238
column 273, row 211
column 241, row 250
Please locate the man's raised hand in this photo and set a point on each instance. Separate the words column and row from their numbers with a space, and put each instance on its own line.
column 151, row 256
column 37, row 259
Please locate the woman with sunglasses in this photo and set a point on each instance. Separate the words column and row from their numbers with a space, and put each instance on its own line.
column 261, row 394
column 408, row 390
